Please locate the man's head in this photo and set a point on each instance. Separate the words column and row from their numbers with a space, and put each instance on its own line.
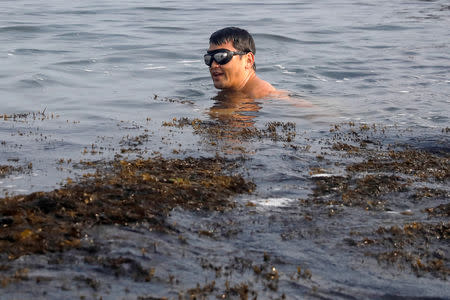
column 231, row 58
column 239, row 38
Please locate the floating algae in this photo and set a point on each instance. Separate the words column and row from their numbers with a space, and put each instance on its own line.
column 118, row 192
column 422, row 246
column 397, row 179
column 275, row 131
column 356, row 188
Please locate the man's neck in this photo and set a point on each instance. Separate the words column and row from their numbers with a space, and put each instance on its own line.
column 245, row 82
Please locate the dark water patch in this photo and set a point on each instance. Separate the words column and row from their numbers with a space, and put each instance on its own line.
column 89, row 36
column 75, row 62
column 266, row 69
column 434, row 145
column 281, row 4
column 199, row 78
column 439, row 67
column 117, row 59
column 426, row 17
column 265, row 20
column 57, row 145
column 307, row 86
column 122, row 103
column 439, row 119
column 381, row 47
column 21, row 28
column 91, row 10
column 348, row 62
column 364, row 4
column 190, row 93
column 30, row 83
column 30, row 51
column 385, row 28
column 294, row 69
column 40, row 81
column 398, row 297
column 409, row 52
column 164, row 29
column 392, row 108
column 275, row 37
column 343, row 74
column 80, row 12
column 166, row 54
column 370, row 81
column 157, row 8
column 323, row 31
column 47, row 28
column 130, row 46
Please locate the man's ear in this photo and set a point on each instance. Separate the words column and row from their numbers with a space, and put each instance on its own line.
column 250, row 60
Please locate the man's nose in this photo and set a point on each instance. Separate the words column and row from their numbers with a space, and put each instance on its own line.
column 214, row 64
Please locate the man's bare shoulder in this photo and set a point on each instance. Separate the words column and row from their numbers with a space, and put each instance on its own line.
column 258, row 88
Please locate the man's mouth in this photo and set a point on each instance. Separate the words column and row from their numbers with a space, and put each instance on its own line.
column 216, row 75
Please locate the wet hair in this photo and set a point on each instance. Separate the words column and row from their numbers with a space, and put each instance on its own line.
column 241, row 39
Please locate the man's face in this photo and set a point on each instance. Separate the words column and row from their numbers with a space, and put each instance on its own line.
column 230, row 75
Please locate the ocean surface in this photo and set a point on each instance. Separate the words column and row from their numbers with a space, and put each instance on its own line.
column 83, row 77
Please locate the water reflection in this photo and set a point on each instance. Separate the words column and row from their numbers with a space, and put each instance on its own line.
column 237, row 110
column 234, row 110
column 234, row 115
column 232, row 122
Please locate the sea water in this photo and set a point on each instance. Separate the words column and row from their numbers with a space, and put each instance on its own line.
column 95, row 73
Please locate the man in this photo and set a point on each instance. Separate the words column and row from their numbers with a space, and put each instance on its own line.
column 231, row 61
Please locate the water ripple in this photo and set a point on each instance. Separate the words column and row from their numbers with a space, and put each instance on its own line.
column 30, row 83
column 156, row 8
column 89, row 36
column 165, row 28
column 281, row 38
column 75, row 62
column 31, row 51
column 21, row 28
column 343, row 75
column 384, row 28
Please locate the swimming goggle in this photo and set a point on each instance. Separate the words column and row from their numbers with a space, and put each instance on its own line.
column 221, row 56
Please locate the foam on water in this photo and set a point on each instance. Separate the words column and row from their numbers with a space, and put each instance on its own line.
column 275, row 202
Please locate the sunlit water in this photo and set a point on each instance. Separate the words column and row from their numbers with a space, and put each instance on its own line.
column 103, row 71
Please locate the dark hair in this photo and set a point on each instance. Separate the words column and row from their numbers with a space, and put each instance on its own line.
column 241, row 39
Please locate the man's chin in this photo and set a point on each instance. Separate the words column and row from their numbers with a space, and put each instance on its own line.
column 219, row 85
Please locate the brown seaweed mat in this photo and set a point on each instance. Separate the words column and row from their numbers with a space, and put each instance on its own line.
column 117, row 192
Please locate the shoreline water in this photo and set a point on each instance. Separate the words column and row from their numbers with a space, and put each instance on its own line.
column 353, row 175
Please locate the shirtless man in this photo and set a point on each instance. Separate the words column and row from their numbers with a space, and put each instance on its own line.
column 231, row 61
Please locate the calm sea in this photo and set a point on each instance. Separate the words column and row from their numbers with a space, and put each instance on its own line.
column 97, row 72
